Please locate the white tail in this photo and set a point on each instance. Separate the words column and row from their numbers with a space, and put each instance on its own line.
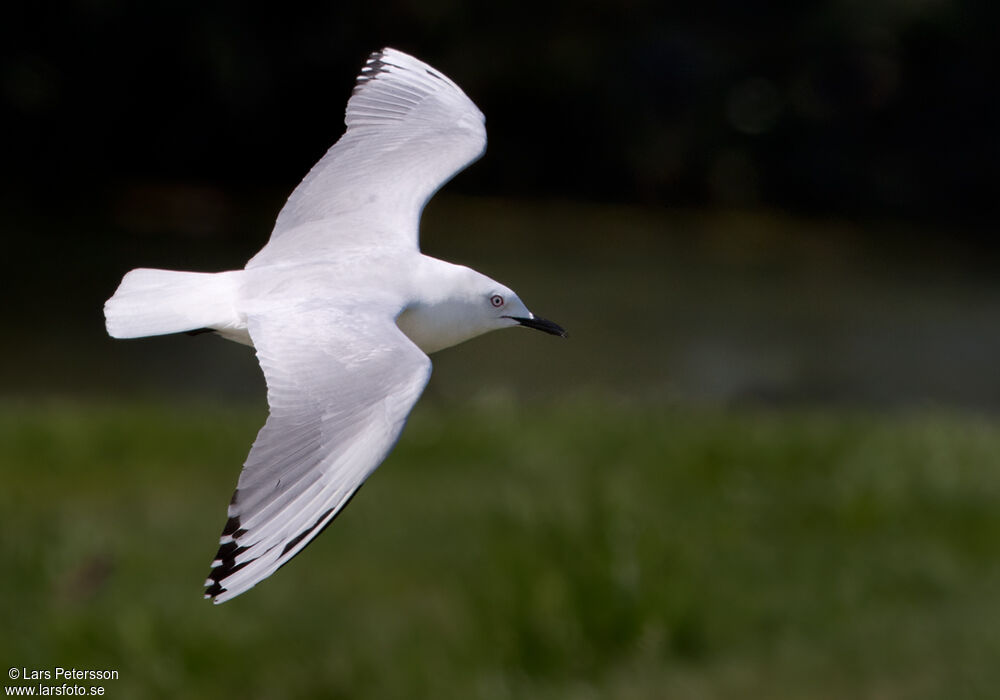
column 156, row 302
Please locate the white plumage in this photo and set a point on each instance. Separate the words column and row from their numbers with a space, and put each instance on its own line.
column 341, row 308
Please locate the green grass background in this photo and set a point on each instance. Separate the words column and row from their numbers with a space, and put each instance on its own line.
column 764, row 465
column 510, row 549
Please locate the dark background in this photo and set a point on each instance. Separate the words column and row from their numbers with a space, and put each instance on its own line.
column 726, row 201
column 880, row 109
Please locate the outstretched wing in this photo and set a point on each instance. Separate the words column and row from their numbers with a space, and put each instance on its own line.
column 340, row 386
column 410, row 129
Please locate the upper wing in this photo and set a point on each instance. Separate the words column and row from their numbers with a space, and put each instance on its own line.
column 340, row 387
column 410, row 129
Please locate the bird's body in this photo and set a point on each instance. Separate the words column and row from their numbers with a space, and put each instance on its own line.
column 342, row 309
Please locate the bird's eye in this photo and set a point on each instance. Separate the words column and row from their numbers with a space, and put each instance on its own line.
column 496, row 300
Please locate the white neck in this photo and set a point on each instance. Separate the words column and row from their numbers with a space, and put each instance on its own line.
column 442, row 313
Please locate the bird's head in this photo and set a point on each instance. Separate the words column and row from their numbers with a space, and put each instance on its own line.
column 467, row 305
column 495, row 306
column 504, row 308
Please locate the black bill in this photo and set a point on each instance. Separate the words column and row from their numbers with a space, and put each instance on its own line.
column 541, row 324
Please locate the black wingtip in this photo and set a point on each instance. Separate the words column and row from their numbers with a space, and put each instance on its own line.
column 214, row 590
column 233, row 529
column 373, row 66
column 229, row 549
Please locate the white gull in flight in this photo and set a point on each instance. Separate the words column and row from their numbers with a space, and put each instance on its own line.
column 342, row 309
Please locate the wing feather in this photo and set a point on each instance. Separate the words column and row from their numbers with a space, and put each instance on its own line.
column 410, row 129
column 340, row 387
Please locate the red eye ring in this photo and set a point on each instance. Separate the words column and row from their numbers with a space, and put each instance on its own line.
column 496, row 300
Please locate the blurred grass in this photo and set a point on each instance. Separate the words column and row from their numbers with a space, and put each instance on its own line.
column 547, row 550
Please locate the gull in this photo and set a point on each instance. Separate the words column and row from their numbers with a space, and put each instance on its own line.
column 342, row 310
